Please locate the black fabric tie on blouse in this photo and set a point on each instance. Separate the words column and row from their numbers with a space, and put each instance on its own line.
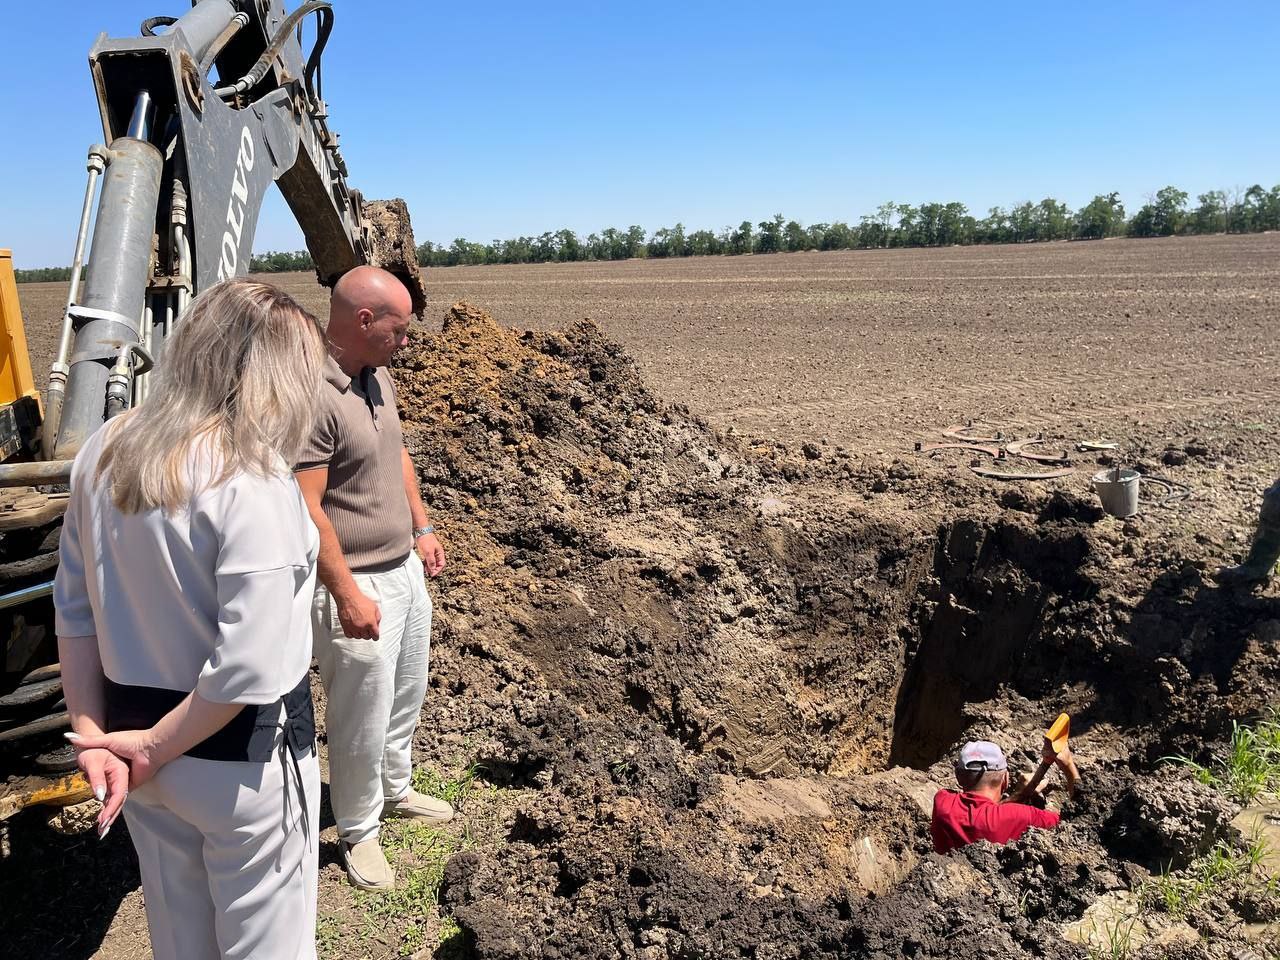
column 250, row 736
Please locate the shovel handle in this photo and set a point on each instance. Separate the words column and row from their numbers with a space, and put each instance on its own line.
column 1029, row 788
column 1036, row 777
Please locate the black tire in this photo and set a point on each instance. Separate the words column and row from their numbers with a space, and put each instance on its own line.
column 30, row 695
column 59, row 760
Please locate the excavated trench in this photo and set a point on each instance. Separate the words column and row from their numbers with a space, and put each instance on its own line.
column 846, row 654
column 981, row 624
column 716, row 739
column 722, row 676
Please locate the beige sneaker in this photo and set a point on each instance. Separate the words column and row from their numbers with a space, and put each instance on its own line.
column 367, row 866
column 417, row 806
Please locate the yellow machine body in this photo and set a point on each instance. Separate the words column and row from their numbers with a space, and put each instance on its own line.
column 20, row 416
column 15, row 365
column 20, row 412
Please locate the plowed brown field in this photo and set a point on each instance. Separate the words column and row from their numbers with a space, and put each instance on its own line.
column 866, row 347
column 861, row 346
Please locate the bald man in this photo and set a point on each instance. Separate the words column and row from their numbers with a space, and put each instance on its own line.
column 372, row 613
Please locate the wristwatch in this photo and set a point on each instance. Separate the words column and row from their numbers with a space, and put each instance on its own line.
column 423, row 531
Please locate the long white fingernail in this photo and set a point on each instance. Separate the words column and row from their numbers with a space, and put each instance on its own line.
column 73, row 737
column 100, row 792
column 102, row 834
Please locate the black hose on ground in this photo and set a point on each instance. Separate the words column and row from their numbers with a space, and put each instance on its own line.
column 1177, row 491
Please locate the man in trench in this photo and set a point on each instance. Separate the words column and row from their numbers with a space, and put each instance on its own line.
column 978, row 810
column 372, row 615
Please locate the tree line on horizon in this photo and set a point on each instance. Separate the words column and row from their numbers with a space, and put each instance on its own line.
column 892, row 225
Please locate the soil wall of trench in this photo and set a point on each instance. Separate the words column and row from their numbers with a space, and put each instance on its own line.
column 728, row 674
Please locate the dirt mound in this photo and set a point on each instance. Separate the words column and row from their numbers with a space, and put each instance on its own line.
column 713, row 665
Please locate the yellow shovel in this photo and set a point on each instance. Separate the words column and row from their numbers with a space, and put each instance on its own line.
column 1059, row 732
column 1057, row 735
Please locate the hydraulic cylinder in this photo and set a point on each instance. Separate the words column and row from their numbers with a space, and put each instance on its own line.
column 109, row 314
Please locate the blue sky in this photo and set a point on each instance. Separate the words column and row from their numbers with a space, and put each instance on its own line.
column 498, row 119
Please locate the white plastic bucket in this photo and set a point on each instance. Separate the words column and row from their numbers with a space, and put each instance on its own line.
column 1118, row 491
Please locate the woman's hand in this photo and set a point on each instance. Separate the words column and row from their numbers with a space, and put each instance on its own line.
column 121, row 761
column 135, row 747
column 108, row 777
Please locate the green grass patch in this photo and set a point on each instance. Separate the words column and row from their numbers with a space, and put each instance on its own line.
column 407, row 920
column 455, row 791
column 1178, row 894
column 1116, row 941
column 419, row 853
column 328, row 934
column 451, row 944
column 1247, row 770
column 1251, row 766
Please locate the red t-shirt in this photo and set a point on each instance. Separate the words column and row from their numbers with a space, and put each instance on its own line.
column 963, row 818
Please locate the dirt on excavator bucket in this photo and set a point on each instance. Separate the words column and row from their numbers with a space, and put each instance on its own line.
column 391, row 246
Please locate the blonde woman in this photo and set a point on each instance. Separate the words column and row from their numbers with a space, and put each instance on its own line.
column 183, row 602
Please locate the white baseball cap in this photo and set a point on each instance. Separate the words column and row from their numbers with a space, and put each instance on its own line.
column 981, row 755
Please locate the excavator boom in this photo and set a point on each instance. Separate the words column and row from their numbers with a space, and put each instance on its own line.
column 201, row 114
column 182, row 183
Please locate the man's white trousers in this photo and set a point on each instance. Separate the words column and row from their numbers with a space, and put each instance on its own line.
column 374, row 691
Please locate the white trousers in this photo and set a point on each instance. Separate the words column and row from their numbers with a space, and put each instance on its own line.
column 374, row 691
column 229, row 854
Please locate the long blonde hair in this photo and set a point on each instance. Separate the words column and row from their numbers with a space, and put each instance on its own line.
column 239, row 381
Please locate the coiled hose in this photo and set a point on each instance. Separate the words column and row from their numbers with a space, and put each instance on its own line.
column 149, row 25
column 259, row 69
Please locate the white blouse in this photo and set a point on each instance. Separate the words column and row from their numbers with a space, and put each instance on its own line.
column 214, row 598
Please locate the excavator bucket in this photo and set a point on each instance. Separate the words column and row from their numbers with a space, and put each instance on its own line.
column 391, row 246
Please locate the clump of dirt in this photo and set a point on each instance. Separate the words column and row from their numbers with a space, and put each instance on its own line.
column 728, row 674
column 391, row 246
column 1163, row 824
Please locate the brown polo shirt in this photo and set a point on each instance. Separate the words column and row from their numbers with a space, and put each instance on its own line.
column 357, row 436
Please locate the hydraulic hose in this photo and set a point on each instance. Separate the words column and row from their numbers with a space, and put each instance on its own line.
column 229, row 31
column 259, row 69
column 57, row 387
column 324, row 27
column 149, row 25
